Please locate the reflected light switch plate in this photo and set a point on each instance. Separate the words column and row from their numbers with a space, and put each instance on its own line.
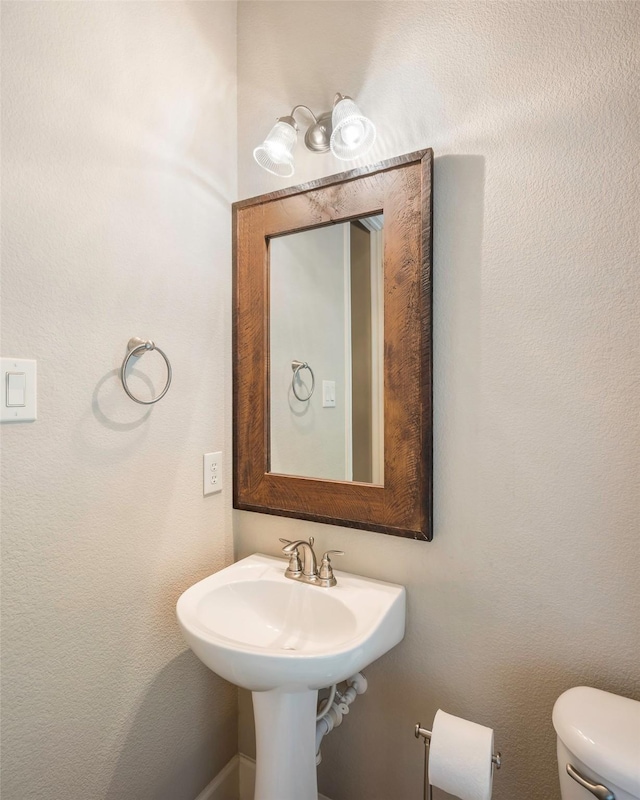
column 18, row 390
column 328, row 394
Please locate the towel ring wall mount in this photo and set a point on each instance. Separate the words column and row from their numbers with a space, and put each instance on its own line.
column 296, row 366
column 137, row 347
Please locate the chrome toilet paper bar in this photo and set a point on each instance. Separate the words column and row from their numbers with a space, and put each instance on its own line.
column 423, row 733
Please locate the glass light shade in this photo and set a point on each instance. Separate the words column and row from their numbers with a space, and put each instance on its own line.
column 353, row 134
column 275, row 154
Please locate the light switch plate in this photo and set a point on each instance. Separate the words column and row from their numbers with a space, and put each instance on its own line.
column 328, row 394
column 17, row 367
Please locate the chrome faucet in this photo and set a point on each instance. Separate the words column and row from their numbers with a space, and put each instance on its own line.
column 309, row 563
column 308, row 571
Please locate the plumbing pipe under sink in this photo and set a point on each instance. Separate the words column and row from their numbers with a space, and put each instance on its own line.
column 357, row 684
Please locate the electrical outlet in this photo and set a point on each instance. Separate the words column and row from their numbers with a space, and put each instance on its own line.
column 212, row 473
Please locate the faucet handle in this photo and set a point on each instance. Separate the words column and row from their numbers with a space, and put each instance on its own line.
column 295, row 567
column 325, row 574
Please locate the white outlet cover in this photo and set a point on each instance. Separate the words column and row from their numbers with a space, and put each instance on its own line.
column 212, row 473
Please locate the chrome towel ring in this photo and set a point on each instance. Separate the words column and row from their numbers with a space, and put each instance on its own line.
column 296, row 366
column 136, row 348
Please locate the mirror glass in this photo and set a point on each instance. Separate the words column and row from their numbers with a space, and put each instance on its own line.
column 326, row 344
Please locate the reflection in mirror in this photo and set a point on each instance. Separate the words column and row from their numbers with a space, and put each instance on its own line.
column 326, row 311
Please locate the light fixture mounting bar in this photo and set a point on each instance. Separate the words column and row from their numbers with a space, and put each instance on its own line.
column 317, row 139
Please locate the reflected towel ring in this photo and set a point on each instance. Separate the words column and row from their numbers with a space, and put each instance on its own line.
column 296, row 366
column 136, row 348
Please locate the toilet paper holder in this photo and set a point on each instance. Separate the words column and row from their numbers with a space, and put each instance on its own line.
column 423, row 733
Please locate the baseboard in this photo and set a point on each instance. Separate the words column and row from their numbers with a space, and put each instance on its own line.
column 235, row 781
column 247, row 777
column 225, row 785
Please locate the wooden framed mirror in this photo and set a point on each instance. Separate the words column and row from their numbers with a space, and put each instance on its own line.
column 332, row 378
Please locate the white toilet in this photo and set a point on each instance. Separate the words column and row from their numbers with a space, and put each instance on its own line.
column 598, row 745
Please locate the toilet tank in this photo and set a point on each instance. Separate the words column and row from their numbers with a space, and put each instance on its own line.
column 599, row 735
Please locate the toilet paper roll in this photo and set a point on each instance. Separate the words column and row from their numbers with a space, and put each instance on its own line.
column 460, row 757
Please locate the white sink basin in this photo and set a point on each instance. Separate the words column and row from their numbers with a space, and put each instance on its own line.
column 284, row 640
column 262, row 631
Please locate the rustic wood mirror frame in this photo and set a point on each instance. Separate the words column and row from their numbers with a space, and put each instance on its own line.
column 400, row 189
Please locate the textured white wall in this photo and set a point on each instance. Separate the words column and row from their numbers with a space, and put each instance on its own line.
column 531, row 584
column 119, row 157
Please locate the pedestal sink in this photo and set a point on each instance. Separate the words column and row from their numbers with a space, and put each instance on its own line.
column 283, row 640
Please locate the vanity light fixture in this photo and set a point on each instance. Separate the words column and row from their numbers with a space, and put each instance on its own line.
column 345, row 131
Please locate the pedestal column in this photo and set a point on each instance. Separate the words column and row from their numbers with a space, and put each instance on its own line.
column 285, row 745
